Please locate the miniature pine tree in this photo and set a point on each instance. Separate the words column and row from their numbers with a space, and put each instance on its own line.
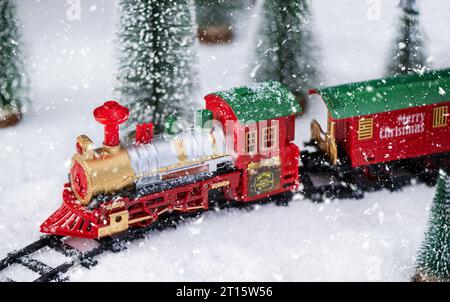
column 156, row 75
column 408, row 52
column 433, row 262
column 215, row 19
column 285, row 49
column 13, row 84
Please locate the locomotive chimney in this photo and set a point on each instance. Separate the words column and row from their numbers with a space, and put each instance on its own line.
column 111, row 114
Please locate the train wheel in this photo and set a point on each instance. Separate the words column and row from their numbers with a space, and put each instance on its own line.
column 317, row 197
column 144, row 223
column 283, row 199
column 146, row 212
column 428, row 177
column 358, row 193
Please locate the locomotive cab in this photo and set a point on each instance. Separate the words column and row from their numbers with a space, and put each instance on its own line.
column 260, row 119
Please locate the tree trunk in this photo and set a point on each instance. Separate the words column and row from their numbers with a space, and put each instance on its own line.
column 418, row 277
column 215, row 34
column 10, row 118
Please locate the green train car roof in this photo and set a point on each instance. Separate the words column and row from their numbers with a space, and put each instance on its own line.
column 387, row 94
column 261, row 101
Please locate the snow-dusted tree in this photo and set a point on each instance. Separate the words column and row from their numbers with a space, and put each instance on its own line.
column 285, row 49
column 215, row 19
column 156, row 73
column 433, row 261
column 408, row 55
column 13, row 81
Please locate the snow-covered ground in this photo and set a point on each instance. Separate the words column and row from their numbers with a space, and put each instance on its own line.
column 72, row 66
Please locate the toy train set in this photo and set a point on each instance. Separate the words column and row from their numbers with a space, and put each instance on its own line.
column 381, row 134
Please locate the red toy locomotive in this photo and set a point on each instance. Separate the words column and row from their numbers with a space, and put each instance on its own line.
column 242, row 148
column 245, row 153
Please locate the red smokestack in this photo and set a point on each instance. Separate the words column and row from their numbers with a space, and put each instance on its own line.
column 111, row 114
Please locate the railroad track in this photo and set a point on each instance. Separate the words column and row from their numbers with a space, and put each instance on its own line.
column 75, row 257
column 87, row 259
column 318, row 182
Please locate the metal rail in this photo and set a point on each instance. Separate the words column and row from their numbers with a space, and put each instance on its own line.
column 75, row 257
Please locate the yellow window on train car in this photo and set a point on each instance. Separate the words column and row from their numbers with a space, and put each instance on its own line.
column 440, row 116
column 365, row 128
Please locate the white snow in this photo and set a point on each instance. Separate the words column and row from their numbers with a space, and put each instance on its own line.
column 71, row 65
column 368, row 240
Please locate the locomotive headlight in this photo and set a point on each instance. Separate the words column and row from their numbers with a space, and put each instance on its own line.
column 79, row 181
column 107, row 171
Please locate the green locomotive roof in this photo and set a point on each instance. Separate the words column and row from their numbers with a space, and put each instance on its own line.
column 261, row 101
column 370, row 97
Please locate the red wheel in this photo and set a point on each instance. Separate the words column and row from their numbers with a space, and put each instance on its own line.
column 146, row 212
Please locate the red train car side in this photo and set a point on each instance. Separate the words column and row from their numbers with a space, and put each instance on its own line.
column 390, row 119
column 261, row 121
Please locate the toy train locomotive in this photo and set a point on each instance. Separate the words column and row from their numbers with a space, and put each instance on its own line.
column 242, row 147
